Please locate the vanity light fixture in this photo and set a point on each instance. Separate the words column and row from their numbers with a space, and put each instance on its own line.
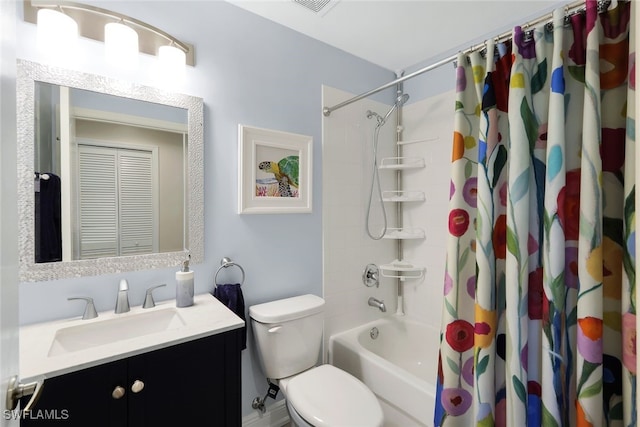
column 122, row 35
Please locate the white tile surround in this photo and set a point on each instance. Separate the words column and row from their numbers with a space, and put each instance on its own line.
column 346, row 180
column 347, row 160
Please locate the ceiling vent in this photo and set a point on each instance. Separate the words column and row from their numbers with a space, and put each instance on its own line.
column 314, row 5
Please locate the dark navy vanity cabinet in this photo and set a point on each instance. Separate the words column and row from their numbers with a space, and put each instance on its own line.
column 196, row 383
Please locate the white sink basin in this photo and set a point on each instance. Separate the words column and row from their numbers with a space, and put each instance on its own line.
column 112, row 330
column 63, row 346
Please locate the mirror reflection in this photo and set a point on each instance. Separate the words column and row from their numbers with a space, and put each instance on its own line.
column 109, row 175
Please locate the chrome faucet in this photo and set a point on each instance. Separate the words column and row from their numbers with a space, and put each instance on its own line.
column 377, row 303
column 122, row 303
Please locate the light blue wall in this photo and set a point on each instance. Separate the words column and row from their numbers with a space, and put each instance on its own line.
column 249, row 71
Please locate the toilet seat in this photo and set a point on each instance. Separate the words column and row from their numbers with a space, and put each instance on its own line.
column 295, row 418
column 328, row 396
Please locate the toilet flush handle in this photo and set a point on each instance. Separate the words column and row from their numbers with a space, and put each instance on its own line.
column 275, row 329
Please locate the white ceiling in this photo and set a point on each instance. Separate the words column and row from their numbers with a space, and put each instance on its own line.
column 397, row 34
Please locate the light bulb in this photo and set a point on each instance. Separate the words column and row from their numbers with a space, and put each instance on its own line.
column 57, row 33
column 121, row 45
column 172, row 56
column 172, row 62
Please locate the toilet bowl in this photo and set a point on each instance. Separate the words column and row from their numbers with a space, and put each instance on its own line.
column 288, row 335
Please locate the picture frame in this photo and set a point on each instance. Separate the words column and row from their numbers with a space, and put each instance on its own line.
column 274, row 172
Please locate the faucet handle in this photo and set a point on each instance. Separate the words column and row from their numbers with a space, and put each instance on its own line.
column 370, row 276
column 148, row 299
column 90, row 308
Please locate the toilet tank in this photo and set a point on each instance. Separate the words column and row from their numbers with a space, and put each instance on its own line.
column 288, row 334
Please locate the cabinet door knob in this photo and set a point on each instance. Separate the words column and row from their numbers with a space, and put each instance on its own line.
column 137, row 386
column 118, row 392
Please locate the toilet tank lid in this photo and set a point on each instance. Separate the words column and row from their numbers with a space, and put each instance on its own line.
column 286, row 309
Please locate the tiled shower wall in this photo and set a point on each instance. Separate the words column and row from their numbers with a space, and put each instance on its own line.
column 347, row 159
column 347, row 165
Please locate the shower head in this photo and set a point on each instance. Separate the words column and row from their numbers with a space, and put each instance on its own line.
column 400, row 100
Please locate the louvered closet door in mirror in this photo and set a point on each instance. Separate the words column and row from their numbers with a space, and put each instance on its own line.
column 138, row 206
column 97, row 202
column 118, row 203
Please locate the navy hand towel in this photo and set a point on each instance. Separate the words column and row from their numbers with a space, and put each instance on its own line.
column 231, row 296
column 48, row 225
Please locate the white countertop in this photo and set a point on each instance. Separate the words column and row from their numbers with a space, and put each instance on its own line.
column 206, row 317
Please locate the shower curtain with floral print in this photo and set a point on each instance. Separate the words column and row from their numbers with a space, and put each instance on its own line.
column 539, row 296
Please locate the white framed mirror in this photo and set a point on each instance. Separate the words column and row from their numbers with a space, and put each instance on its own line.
column 110, row 175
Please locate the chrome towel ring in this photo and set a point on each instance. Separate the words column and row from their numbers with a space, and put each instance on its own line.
column 224, row 263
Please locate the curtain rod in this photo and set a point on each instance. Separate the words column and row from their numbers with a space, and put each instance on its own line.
column 570, row 8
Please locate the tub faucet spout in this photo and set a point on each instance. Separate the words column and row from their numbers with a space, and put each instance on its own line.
column 377, row 303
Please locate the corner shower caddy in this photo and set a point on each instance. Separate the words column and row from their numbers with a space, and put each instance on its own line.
column 402, row 269
column 398, row 163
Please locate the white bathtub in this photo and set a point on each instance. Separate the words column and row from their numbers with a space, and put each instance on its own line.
column 399, row 366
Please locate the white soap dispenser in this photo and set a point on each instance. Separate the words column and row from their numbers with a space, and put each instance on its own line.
column 184, row 285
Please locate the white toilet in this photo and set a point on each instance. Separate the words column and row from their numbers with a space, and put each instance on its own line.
column 288, row 335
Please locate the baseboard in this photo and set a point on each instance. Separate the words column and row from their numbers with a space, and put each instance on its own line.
column 276, row 415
